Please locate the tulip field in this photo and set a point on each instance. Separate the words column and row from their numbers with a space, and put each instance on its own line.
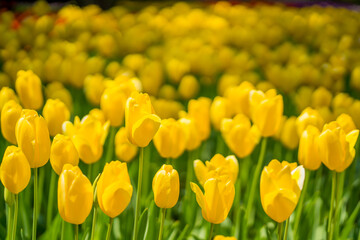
column 183, row 120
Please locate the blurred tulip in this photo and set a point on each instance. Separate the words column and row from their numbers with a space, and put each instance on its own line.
column 280, row 188
column 10, row 114
column 14, row 170
column 97, row 114
column 141, row 122
column 63, row 151
column 309, row 117
column 94, row 87
column 346, row 123
column 167, row 108
column 193, row 140
column 355, row 78
column 217, row 201
column 239, row 97
column 166, row 187
column 188, row 87
column 55, row 113
column 112, row 103
column 33, row 138
column 28, row 87
column 7, row 94
column 124, row 150
column 321, row 97
column 114, row 189
column 75, row 195
column 309, row 149
column 218, row 166
column 220, row 108
column 289, row 136
column 221, row 237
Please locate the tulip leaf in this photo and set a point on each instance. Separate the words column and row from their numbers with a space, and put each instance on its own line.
column 349, row 224
column 151, row 226
column 142, row 223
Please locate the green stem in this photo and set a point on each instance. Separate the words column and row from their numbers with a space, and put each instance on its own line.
column 339, row 193
column 211, row 231
column 110, row 146
column 138, row 194
column 50, row 203
column 332, row 203
column 35, row 204
column 237, row 209
column 286, row 229
column 289, row 155
column 62, row 230
column 76, row 232
column 93, row 222
column 89, row 173
column 189, row 213
column 253, row 187
column 16, row 209
column 300, row 204
column 108, row 234
column 10, row 221
column 280, row 230
column 163, row 212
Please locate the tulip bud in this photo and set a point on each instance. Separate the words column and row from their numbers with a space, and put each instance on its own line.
column 7, row 94
column 141, row 122
column 188, row 87
column 32, row 136
column 239, row 97
column 309, row 117
column 56, row 90
column 15, row 170
column 10, row 114
column 28, row 87
column 166, row 187
column 217, row 200
column 289, row 136
column 55, row 113
column 220, row 108
column 63, row 151
column 124, row 150
column 321, row 97
column 112, row 103
column 193, row 140
column 280, row 189
column 75, row 195
column 114, row 189
column 309, row 151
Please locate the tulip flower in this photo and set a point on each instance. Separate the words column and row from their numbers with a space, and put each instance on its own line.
column 239, row 97
column 112, row 103
column 141, row 122
column 75, row 195
column 280, row 189
column 63, row 151
column 10, row 114
column 28, row 87
column 114, row 189
column 124, row 150
column 309, row 117
column 346, row 123
column 56, row 90
column 7, row 94
column 216, row 167
column 239, row 135
column 221, row 237
column 266, row 111
column 193, row 140
column 15, row 170
column 220, row 108
column 217, row 200
column 188, row 87
column 170, row 139
column 94, row 87
column 321, row 97
column 55, row 113
column 309, row 148
column 289, row 136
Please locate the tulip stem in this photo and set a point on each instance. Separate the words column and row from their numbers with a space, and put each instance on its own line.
column 89, row 172
column 253, row 187
column 93, row 222
column 62, row 230
column 16, row 210
column 108, row 234
column 138, row 194
column 188, row 196
column 339, row 193
column 35, row 204
column 76, row 232
column 286, row 229
column 280, row 230
column 51, row 198
column 332, row 203
column 162, row 217
column 10, row 220
column 211, row 231
column 301, row 203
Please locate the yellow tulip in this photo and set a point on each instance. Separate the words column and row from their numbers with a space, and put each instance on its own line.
column 32, row 136
column 170, row 139
column 321, row 97
column 346, row 122
column 88, row 135
column 75, row 195
column 239, row 135
column 188, row 87
column 266, row 111
column 193, row 140
column 124, row 150
column 97, row 114
column 55, row 113
column 166, row 187
column 220, row 108
column 337, row 147
column 218, row 166
column 112, row 103
column 63, row 151
column 239, row 96
column 56, row 90
column 141, row 122
column 94, row 87
column 7, row 94
column 280, row 188
column 221, row 237
column 217, row 200
column 309, row 117
column 10, row 114
column 114, row 189
column 167, row 108
column 289, row 136
column 309, row 151
column 15, row 170
column 28, row 87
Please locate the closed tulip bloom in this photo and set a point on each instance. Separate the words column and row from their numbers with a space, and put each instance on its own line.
column 141, row 122
column 63, row 151
column 266, row 111
column 124, row 150
column 112, row 103
column 289, row 136
column 346, row 122
column 55, row 113
column 193, row 140
column 220, row 108
column 217, row 200
column 221, row 237
column 28, row 87
column 321, row 97
column 239, row 96
column 114, row 189
column 94, row 87
column 309, row 117
column 170, row 139
column 7, row 94
column 75, row 195
column 166, row 187
column 14, row 170
column 337, row 147
column 280, row 189
column 309, row 151
column 10, row 114
column 32, row 136
column 218, row 166
column 188, row 87
column 239, row 135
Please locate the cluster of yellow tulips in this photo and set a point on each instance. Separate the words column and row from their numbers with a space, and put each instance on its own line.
column 91, row 90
